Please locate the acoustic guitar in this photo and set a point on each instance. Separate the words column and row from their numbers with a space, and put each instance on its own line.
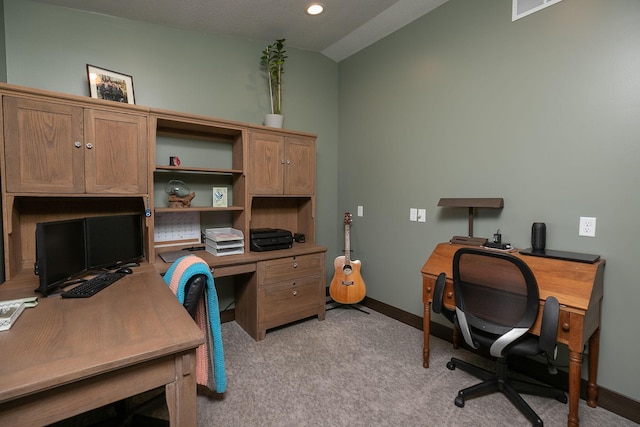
column 347, row 286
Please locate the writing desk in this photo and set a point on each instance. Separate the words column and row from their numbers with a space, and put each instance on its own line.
column 579, row 290
column 67, row 356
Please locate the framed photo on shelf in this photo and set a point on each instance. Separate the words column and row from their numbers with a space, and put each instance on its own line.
column 110, row 85
column 220, row 197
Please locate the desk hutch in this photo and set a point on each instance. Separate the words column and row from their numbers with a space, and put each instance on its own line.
column 65, row 156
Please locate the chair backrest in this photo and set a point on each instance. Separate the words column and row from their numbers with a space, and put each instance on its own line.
column 193, row 291
column 495, row 293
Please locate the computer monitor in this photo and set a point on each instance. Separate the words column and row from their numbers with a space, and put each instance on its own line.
column 60, row 253
column 114, row 240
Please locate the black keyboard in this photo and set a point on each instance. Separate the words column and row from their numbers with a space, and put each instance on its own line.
column 93, row 285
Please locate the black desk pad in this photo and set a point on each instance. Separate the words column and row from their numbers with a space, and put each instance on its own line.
column 567, row 256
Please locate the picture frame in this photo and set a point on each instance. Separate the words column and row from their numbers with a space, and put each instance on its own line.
column 110, row 85
column 220, row 197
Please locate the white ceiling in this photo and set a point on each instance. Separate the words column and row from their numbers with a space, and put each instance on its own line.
column 345, row 27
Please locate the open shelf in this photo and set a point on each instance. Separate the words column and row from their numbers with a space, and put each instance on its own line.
column 182, row 169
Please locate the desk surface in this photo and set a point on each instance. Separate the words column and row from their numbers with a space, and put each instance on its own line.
column 576, row 285
column 63, row 341
column 229, row 265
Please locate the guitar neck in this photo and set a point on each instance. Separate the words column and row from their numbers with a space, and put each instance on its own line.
column 347, row 245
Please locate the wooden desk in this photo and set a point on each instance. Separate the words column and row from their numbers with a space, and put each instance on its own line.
column 272, row 288
column 67, row 356
column 579, row 289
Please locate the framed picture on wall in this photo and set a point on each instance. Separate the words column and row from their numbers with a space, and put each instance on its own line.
column 110, row 85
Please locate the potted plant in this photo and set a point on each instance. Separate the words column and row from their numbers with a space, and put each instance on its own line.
column 273, row 60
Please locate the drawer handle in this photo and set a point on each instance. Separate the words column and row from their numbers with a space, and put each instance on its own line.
column 449, row 295
column 294, row 293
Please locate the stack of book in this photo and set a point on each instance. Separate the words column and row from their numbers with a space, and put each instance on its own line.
column 224, row 241
column 10, row 310
column 9, row 313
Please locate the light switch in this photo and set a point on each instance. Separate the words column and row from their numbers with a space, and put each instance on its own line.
column 422, row 215
column 360, row 209
column 413, row 214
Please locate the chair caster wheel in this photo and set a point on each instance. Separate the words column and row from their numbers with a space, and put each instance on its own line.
column 451, row 366
column 459, row 402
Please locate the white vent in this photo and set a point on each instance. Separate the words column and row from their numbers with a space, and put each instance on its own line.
column 522, row 8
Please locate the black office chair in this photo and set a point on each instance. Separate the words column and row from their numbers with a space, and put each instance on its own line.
column 497, row 301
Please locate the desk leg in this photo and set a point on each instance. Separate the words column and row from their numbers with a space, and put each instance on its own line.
column 594, row 353
column 575, row 368
column 181, row 394
column 426, row 327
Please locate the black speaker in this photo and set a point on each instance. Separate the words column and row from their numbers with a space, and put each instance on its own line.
column 538, row 236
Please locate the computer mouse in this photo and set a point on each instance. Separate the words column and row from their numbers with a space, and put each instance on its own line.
column 125, row 270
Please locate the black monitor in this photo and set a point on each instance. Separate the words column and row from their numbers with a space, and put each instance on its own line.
column 60, row 252
column 114, row 240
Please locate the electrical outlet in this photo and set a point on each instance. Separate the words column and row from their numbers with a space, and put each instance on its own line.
column 587, row 226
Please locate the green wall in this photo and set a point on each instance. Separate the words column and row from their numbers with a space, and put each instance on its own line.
column 543, row 111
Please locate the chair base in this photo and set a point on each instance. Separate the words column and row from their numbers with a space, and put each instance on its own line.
column 500, row 382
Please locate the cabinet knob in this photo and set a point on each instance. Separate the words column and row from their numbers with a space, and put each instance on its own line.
column 77, row 144
column 288, row 162
column 295, row 265
column 89, row 145
column 294, row 293
column 282, row 162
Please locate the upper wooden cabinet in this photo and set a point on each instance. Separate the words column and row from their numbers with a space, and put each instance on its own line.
column 63, row 148
column 281, row 164
column 116, row 152
column 66, row 156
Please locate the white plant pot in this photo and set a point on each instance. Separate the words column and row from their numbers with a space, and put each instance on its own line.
column 273, row 120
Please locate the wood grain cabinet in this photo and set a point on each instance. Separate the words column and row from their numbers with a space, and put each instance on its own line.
column 282, row 290
column 66, row 156
column 281, row 164
column 62, row 148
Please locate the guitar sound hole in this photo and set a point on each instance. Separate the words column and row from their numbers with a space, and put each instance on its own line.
column 347, row 269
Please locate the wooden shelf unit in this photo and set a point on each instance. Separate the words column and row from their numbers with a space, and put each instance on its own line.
column 65, row 156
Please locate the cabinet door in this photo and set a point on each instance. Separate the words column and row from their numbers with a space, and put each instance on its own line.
column 266, row 164
column 116, row 152
column 43, row 147
column 300, row 166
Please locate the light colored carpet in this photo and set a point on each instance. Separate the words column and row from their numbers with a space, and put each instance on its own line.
column 354, row 369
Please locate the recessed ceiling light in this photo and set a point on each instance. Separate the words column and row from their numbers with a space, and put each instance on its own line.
column 315, row 9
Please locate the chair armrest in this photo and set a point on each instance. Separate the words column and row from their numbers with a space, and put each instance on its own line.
column 549, row 326
column 438, row 293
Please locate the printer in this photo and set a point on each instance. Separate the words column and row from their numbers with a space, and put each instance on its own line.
column 269, row 239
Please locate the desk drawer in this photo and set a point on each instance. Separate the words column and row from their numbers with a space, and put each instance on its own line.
column 280, row 269
column 288, row 301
